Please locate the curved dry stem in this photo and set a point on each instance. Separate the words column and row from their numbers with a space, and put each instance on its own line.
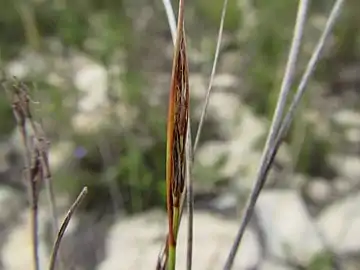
column 270, row 154
column 63, row 227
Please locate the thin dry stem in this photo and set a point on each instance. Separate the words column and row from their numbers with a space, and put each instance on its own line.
column 171, row 18
column 189, row 201
column 115, row 194
column 335, row 12
column 270, row 154
column 43, row 146
column 63, row 227
column 275, row 125
column 213, row 70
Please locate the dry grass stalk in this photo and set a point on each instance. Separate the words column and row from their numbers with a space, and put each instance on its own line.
column 34, row 168
column 36, row 149
column 63, row 227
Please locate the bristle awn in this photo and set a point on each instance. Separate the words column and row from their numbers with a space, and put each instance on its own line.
column 178, row 116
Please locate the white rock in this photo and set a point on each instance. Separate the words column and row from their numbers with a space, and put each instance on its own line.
column 288, row 228
column 249, row 127
column 18, row 69
column 348, row 166
column 319, row 190
column 59, row 153
column 226, row 202
column 9, row 204
column 353, row 135
column 213, row 238
column 340, row 224
column 198, row 87
column 244, row 131
column 91, row 79
column 270, row 265
column 342, row 185
column 225, row 81
column 210, row 153
column 243, row 158
column 244, row 165
column 347, row 118
column 28, row 63
column 135, row 243
column 17, row 252
column 225, row 108
column 87, row 123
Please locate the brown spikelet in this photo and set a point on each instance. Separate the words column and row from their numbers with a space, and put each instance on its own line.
column 178, row 116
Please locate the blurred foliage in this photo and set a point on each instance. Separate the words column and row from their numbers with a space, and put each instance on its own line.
column 7, row 123
column 321, row 261
column 109, row 28
column 212, row 13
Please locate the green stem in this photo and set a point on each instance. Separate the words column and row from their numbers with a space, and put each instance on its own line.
column 176, row 221
column 172, row 248
column 172, row 258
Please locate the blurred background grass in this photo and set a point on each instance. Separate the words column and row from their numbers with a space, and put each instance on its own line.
column 121, row 162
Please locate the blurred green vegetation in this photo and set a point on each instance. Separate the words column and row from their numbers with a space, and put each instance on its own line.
column 212, row 13
column 321, row 261
column 103, row 29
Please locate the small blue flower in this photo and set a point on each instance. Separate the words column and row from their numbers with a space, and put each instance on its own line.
column 80, row 152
